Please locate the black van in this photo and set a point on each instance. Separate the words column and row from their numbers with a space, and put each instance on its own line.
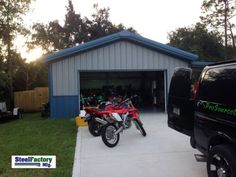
column 207, row 114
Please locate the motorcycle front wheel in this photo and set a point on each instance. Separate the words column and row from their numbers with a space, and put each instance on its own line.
column 139, row 126
column 109, row 137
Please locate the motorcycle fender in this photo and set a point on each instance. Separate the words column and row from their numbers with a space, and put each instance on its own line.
column 117, row 117
column 135, row 115
column 87, row 117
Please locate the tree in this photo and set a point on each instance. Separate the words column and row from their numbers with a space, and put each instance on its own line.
column 49, row 37
column 53, row 36
column 218, row 15
column 100, row 24
column 75, row 31
column 3, row 76
column 30, row 75
column 75, row 27
column 197, row 39
column 11, row 12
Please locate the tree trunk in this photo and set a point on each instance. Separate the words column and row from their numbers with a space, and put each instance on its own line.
column 225, row 26
column 232, row 35
column 9, row 64
column 10, row 80
column 27, row 80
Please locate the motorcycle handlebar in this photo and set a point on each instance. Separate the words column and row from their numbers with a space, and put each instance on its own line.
column 128, row 99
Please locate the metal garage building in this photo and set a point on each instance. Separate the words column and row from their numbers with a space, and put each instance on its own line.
column 123, row 57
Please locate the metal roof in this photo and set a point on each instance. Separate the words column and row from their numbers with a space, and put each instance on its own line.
column 123, row 35
column 200, row 64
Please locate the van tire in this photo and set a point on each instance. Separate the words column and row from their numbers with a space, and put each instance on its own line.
column 221, row 159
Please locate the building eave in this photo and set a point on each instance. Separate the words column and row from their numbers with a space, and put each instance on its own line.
column 120, row 36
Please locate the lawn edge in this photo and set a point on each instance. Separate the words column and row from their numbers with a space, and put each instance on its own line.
column 77, row 157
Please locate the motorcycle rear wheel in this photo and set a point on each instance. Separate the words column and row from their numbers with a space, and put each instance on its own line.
column 94, row 127
column 109, row 137
column 139, row 126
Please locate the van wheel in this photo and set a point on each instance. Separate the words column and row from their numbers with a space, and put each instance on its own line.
column 221, row 162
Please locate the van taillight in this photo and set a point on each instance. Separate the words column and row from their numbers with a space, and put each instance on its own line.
column 196, row 89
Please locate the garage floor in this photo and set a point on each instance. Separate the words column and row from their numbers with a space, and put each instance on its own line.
column 163, row 153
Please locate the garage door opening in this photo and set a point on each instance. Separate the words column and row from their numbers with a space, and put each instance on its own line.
column 148, row 85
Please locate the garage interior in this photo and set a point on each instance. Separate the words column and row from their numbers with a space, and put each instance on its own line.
column 148, row 85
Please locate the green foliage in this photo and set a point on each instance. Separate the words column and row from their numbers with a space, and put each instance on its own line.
column 215, row 11
column 100, row 24
column 218, row 15
column 30, row 75
column 15, row 73
column 76, row 30
column 11, row 25
column 11, row 12
column 206, row 38
column 198, row 40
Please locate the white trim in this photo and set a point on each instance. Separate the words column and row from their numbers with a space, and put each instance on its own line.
column 78, row 89
column 165, row 89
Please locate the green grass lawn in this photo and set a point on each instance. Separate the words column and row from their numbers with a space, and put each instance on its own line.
column 34, row 135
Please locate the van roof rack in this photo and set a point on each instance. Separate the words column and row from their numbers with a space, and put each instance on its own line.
column 223, row 62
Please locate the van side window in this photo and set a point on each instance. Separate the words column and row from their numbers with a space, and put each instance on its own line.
column 219, row 85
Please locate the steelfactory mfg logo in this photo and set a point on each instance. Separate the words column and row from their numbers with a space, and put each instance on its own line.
column 33, row 161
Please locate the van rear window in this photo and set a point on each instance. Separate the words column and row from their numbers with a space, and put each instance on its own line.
column 180, row 83
column 219, row 86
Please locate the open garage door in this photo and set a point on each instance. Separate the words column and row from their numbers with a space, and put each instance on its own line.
column 149, row 85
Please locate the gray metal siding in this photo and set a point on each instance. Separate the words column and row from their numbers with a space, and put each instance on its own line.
column 121, row 55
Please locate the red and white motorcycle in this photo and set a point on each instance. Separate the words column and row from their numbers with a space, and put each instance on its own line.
column 119, row 120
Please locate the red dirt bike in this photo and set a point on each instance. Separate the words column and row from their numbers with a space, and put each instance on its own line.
column 93, row 125
column 94, row 117
column 118, row 120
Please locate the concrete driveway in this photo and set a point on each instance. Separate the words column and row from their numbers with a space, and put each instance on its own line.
column 163, row 153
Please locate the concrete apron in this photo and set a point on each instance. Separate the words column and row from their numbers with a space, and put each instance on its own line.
column 163, row 153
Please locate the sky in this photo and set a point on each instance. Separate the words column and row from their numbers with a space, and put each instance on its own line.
column 153, row 19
